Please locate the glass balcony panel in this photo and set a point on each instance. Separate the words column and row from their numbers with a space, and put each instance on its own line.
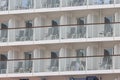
column 24, row 66
column 11, row 33
column 102, row 30
column 29, row 34
column 71, row 32
column 116, row 62
column 73, row 64
column 76, row 32
column 49, row 3
column 51, row 33
column 46, row 65
column 101, row 2
column 81, row 31
column 117, row 1
column 10, row 66
column 108, row 1
column 69, row 3
column 65, row 3
column 24, row 34
column 99, row 63
column 39, row 4
column 53, row 65
column 93, row 63
column 28, row 64
column 23, row 4
column 63, row 32
column 98, row 31
column 20, row 34
column 39, row 32
column 116, row 30
column 108, row 30
column 3, row 5
column 38, row 66
column 3, row 67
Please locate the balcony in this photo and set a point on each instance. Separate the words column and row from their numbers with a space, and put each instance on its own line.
column 65, row 64
column 67, row 32
column 39, row 4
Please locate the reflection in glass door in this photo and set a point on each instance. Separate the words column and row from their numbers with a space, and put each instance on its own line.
column 81, row 53
column 108, row 28
column 107, row 59
column 29, row 31
column 81, row 28
column 28, row 61
column 53, row 32
column 54, row 61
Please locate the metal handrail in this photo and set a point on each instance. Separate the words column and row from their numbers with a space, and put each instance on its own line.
column 67, row 25
column 59, row 57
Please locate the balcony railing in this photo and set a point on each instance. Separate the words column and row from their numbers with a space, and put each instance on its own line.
column 101, row 2
column 24, row 34
column 49, row 4
column 38, row 4
column 24, row 66
column 22, row 4
column 69, row 3
column 89, row 63
column 86, row 31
